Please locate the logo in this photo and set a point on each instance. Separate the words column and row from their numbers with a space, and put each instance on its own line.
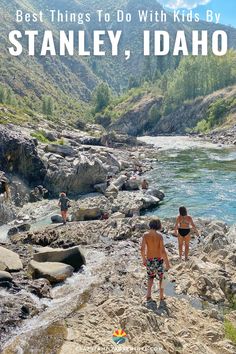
column 119, row 336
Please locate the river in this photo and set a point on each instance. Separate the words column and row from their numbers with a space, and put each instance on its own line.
column 199, row 175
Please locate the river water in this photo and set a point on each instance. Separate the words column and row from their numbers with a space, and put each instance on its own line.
column 199, row 175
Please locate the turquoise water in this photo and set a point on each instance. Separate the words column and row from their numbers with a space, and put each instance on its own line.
column 198, row 175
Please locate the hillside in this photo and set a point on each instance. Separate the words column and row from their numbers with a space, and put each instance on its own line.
column 136, row 117
column 70, row 81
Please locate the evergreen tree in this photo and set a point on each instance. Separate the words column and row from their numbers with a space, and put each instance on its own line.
column 102, row 97
column 47, row 106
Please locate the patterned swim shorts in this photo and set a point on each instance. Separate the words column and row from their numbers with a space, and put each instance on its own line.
column 155, row 267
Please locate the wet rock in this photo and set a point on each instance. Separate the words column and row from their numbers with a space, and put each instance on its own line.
column 40, row 288
column 5, row 276
column 156, row 193
column 21, row 228
column 56, row 219
column 53, row 271
column 10, row 260
column 72, row 256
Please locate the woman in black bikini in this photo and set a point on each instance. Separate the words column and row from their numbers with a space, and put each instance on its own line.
column 182, row 230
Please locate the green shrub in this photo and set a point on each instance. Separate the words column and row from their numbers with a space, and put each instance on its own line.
column 230, row 331
column 202, row 127
column 40, row 136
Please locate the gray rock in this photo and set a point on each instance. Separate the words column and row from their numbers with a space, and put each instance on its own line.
column 72, row 256
column 132, row 184
column 85, row 214
column 10, row 260
column 100, row 187
column 56, row 219
column 5, row 276
column 41, row 288
column 79, row 176
column 51, row 136
column 18, row 155
column 215, row 241
column 156, row 193
column 21, row 228
column 53, row 271
column 119, row 182
column 63, row 150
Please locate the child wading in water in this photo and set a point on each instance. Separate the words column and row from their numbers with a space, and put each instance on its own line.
column 154, row 255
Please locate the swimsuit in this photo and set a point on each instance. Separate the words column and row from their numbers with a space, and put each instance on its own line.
column 155, row 267
column 183, row 232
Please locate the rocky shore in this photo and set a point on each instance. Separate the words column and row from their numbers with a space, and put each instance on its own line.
column 225, row 136
column 65, row 288
column 190, row 320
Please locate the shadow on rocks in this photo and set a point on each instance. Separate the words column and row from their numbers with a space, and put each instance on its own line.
column 161, row 310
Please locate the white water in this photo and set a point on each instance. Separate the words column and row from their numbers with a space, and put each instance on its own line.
column 66, row 298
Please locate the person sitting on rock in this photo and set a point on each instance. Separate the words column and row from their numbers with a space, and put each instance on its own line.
column 154, row 256
column 64, row 204
column 144, row 184
column 182, row 231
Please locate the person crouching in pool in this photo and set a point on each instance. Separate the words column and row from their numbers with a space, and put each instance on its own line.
column 183, row 226
column 154, row 255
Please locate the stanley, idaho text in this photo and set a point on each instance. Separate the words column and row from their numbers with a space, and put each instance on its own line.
column 108, row 42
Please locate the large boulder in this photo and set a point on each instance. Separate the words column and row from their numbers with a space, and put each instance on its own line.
column 93, row 213
column 72, row 256
column 18, row 155
column 156, row 193
column 10, row 261
column 79, row 175
column 53, row 271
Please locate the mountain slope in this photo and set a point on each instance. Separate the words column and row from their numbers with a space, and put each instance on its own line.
column 70, row 81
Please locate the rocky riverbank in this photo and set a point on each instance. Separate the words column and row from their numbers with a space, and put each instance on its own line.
column 117, row 296
column 225, row 136
column 61, row 285
column 73, row 161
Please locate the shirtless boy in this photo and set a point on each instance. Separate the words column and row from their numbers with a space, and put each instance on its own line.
column 154, row 255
